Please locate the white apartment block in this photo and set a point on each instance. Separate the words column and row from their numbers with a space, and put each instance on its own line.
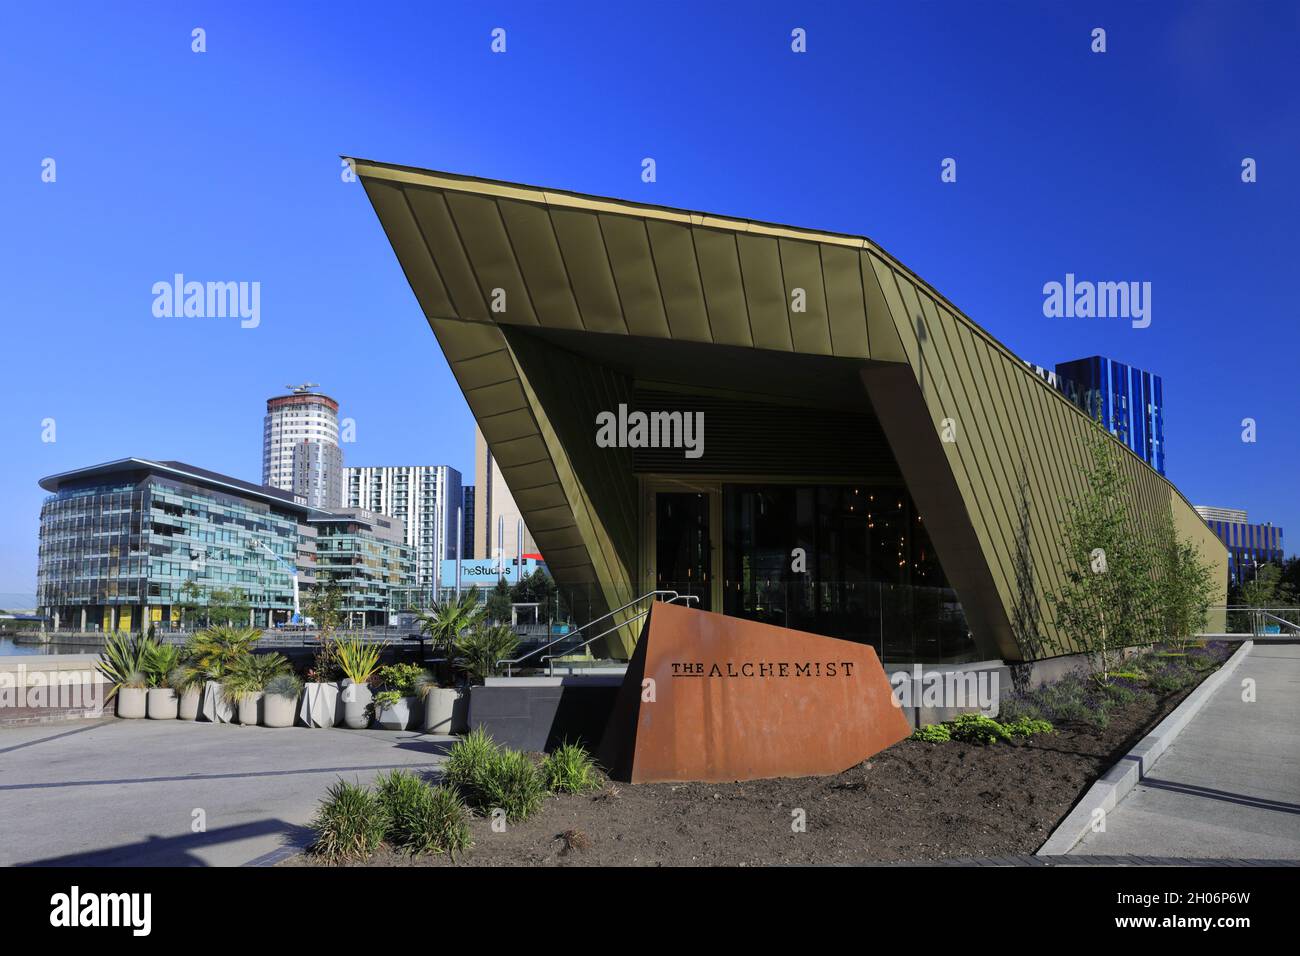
column 425, row 497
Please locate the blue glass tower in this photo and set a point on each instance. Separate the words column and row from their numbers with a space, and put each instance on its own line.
column 1129, row 401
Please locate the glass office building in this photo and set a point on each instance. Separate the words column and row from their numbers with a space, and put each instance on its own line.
column 1249, row 545
column 366, row 556
column 1129, row 400
column 120, row 542
column 132, row 543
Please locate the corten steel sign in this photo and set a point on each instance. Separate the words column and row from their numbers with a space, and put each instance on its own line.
column 716, row 698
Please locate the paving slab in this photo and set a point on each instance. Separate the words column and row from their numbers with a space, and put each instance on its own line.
column 179, row 793
column 1229, row 784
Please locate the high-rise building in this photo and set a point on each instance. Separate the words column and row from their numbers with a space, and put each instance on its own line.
column 1130, row 402
column 300, row 446
column 1249, row 545
column 424, row 497
column 467, row 522
column 496, row 516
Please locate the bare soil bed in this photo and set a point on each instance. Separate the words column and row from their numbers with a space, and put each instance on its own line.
column 913, row 802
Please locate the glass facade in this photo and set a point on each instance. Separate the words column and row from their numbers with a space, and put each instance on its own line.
column 1130, row 402
column 371, row 564
column 851, row 561
column 121, row 548
column 1249, row 546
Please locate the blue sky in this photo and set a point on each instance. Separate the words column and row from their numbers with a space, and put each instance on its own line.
column 224, row 166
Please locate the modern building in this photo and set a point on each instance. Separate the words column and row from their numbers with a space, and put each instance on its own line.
column 424, row 497
column 366, row 555
column 1130, row 402
column 498, row 523
column 467, row 521
column 300, row 446
column 789, row 425
column 134, row 542
column 1249, row 545
column 127, row 543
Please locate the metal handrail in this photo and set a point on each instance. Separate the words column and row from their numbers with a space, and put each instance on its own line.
column 511, row 662
column 550, row 668
column 1262, row 614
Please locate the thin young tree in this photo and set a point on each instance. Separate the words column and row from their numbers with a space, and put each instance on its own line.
column 1108, row 600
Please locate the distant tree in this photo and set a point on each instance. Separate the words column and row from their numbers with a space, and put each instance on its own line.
column 325, row 607
column 498, row 603
column 1267, row 588
column 228, row 607
column 191, row 602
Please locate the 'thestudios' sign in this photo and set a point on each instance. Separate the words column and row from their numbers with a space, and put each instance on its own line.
column 487, row 572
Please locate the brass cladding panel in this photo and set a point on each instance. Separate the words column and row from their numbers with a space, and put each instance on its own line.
column 565, row 261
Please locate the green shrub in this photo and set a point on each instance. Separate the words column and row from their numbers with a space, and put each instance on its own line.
column 977, row 729
column 350, row 823
column 442, row 823
column 478, row 649
column 1027, row 727
column 511, row 782
column 285, row 685
column 1128, row 675
column 933, row 733
column 569, row 769
column 388, row 698
column 467, row 762
column 1172, row 678
column 401, row 678
column 401, row 793
column 1120, row 694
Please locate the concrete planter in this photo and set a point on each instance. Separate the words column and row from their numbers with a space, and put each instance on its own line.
column 440, row 709
column 322, row 705
column 398, row 716
column 278, row 711
column 214, row 706
column 188, row 708
column 162, row 703
column 460, row 713
column 250, row 709
column 131, row 702
column 356, row 699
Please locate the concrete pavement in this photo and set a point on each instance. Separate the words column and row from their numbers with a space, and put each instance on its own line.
column 129, row 792
column 1229, row 785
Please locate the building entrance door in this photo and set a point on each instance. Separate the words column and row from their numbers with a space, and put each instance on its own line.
column 683, row 544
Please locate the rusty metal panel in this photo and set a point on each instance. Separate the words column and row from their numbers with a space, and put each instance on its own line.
column 739, row 700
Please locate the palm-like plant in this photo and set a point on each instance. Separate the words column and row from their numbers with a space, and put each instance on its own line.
column 159, row 662
column 123, row 661
column 358, row 660
column 447, row 620
column 213, row 652
column 251, row 673
column 479, row 649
